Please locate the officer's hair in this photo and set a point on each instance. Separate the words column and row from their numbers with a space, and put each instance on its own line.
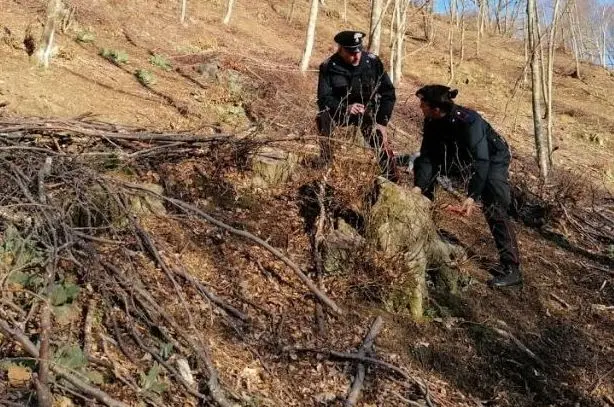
column 439, row 96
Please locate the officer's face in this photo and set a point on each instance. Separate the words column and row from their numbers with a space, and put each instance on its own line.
column 428, row 111
column 350, row 58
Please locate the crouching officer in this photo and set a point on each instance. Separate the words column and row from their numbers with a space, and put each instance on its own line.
column 354, row 89
column 458, row 142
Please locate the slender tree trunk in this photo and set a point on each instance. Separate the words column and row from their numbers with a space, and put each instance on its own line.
column 398, row 26
column 427, row 20
column 479, row 19
column 542, row 153
column 540, row 45
column 574, row 43
column 462, row 40
column 46, row 43
column 375, row 31
column 184, row 6
column 604, row 30
column 229, row 8
column 526, row 54
column 393, row 38
column 549, row 111
column 451, row 39
column 311, row 31
column 291, row 13
column 345, row 11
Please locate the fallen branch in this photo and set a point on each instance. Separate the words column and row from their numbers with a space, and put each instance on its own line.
column 186, row 207
column 204, row 291
column 45, row 399
column 520, row 345
column 19, row 337
column 366, row 347
column 355, row 357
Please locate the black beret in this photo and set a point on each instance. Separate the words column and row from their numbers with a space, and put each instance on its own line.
column 350, row 40
column 436, row 95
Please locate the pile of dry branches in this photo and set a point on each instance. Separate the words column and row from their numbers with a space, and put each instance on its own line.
column 68, row 226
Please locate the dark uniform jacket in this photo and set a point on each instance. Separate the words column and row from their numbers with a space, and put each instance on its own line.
column 368, row 83
column 461, row 144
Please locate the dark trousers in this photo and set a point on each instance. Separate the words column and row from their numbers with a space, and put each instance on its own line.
column 326, row 124
column 496, row 199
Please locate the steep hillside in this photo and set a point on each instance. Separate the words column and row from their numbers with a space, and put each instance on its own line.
column 190, row 124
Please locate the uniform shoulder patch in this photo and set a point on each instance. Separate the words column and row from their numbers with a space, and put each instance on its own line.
column 371, row 55
column 465, row 116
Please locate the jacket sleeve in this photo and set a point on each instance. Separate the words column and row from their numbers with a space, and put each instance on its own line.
column 326, row 99
column 424, row 167
column 387, row 95
column 477, row 143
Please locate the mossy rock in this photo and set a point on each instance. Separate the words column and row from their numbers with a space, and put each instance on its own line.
column 272, row 167
column 147, row 204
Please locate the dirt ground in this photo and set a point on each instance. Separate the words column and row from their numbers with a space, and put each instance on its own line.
column 250, row 80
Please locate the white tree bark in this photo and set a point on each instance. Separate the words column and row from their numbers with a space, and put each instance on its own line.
column 184, row 6
column 311, row 32
column 229, row 8
column 574, row 41
column 375, row 31
column 451, row 29
column 549, row 111
column 604, row 31
column 43, row 54
column 540, row 145
column 399, row 25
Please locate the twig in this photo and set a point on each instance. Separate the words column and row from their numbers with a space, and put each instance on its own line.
column 43, row 393
column 367, row 346
column 363, row 359
column 204, row 291
column 87, row 327
column 600, row 379
column 560, row 300
column 18, row 336
column 42, row 174
column 318, row 239
column 186, row 207
column 508, row 335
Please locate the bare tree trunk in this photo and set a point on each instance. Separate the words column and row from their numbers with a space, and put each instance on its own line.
column 393, row 38
column 230, row 5
column 397, row 36
column 574, row 43
column 542, row 153
column 462, row 40
column 311, row 31
column 604, row 30
column 451, row 39
column 427, row 16
column 291, row 13
column 46, row 44
column 375, row 31
column 345, row 11
column 540, row 45
column 479, row 26
column 184, row 6
column 514, row 16
column 549, row 112
column 525, row 78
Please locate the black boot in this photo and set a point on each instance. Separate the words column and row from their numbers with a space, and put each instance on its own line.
column 511, row 275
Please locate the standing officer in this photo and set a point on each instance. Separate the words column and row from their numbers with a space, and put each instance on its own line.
column 458, row 142
column 354, row 89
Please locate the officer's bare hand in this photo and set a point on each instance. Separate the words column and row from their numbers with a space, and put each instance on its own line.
column 356, row 108
column 383, row 130
column 467, row 207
